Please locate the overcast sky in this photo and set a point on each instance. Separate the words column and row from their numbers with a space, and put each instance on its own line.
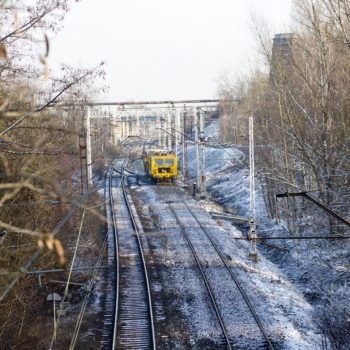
column 162, row 49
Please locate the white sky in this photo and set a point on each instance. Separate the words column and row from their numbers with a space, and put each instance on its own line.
column 162, row 49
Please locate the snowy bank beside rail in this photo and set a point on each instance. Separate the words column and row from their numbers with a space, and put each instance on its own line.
column 276, row 278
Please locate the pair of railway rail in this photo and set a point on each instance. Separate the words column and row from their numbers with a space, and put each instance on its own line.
column 131, row 321
column 207, row 283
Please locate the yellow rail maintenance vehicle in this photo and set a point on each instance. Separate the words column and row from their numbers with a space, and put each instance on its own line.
column 147, row 153
column 161, row 165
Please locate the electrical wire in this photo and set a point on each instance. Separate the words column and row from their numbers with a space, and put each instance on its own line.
column 54, row 335
column 87, row 296
column 24, row 268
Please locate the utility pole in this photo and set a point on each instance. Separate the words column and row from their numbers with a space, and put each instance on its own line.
column 164, row 135
column 159, row 120
column 127, row 124
column 252, row 225
column 88, row 147
column 138, row 124
column 82, row 158
column 169, row 134
column 184, row 148
column 176, row 127
column 196, row 141
column 201, row 155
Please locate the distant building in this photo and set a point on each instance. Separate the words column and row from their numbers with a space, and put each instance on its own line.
column 282, row 55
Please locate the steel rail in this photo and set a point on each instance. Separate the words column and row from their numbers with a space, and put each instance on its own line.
column 137, row 235
column 125, row 170
column 244, row 295
column 114, row 223
column 205, row 279
column 117, row 243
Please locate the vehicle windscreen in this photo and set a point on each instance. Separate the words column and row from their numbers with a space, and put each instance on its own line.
column 159, row 162
column 169, row 161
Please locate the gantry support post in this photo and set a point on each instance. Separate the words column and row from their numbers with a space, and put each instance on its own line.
column 196, row 140
column 88, row 147
column 159, row 121
column 184, row 145
column 176, row 127
column 252, row 224
column 168, row 129
column 202, row 191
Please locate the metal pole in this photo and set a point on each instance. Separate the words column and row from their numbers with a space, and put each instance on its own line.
column 169, row 135
column 177, row 127
column 122, row 121
column 196, row 140
column 88, row 147
column 138, row 124
column 252, row 229
column 54, row 317
column 127, row 125
column 172, row 126
column 202, row 155
column 113, row 131
column 159, row 118
column 184, row 148
column 163, row 135
column 165, row 127
column 251, row 169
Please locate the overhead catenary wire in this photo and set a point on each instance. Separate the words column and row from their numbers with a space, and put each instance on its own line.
column 45, row 105
column 205, row 143
column 291, row 238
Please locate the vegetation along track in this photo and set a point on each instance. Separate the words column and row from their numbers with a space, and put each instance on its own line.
column 216, row 290
column 129, row 321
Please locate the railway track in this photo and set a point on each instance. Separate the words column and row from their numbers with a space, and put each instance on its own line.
column 214, row 284
column 129, row 320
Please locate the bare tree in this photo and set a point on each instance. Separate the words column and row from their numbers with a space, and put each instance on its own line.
column 39, row 153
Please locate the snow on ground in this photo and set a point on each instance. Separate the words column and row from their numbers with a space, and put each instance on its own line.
column 319, row 269
column 217, row 160
column 300, row 281
column 286, row 314
column 278, row 275
column 212, row 131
